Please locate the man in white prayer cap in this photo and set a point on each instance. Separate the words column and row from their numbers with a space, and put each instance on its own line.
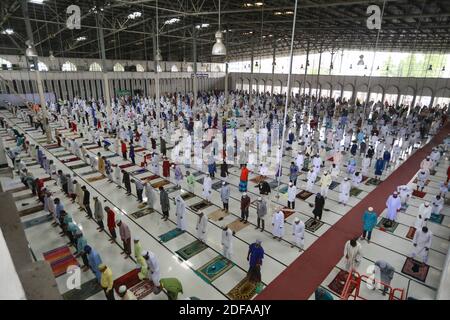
column 126, row 294
column 298, row 231
column 422, row 244
column 227, row 244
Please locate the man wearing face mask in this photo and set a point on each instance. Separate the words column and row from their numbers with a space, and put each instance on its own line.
column 393, row 207
column 423, row 215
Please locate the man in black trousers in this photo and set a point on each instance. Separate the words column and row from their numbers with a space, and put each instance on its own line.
column 86, row 201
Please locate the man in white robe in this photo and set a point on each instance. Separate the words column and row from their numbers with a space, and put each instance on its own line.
column 422, row 178
column 117, row 175
column 180, row 213
column 344, row 189
column 207, row 185
column 426, row 164
column 278, row 225
column 394, row 205
column 422, row 244
column 298, row 231
column 352, row 254
column 292, row 193
column 202, row 223
column 438, row 204
column 227, row 245
column 405, row 193
column 311, row 179
column 423, row 214
column 325, row 183
column 153, row 267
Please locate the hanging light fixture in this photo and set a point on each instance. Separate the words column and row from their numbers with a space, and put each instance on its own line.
column 158, row 56
column 51, row 56
column 30, row 52
column 443, row 68
column 378, row 68
column 301, row 67
column 430, row 67
column 331, row 66
column 361, row 60
column 351, row 66
column 219, row 48
column 256, row 64
column 365, row 67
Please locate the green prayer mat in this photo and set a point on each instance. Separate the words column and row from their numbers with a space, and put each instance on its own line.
column 436, row 218
column 382, row 227
column 354, row 192
column 283, row 189
column 79, row 166
column 170, row 235
column 36, row 221
column 214, row 268
column 86, row 290
column 244, row 290
column 141, row 213
column 313, row 225
column 191, row 250
column 186, row 195
column 200, row 205
column 373, row 182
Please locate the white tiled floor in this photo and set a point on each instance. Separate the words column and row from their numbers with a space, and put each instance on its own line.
column 392, row 247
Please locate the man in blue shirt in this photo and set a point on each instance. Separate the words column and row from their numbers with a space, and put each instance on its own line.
column 255, row 257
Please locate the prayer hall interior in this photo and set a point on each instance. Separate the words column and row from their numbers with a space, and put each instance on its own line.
column 225, row 150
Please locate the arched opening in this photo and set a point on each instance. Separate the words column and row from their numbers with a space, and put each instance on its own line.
column 442, row 98
column 325, row 90
column 361, row 93
column 255, row 85
column 425, row 97
column 261, row 86
column 42, row 66
column 269, row 86
column 306, row 88
column 118, row 67
column 348, row 91
column 407, row 96
column 376, row 94
column 68, row 66
column 391, row 95
column 189, row 68
column 278, row 87
column 95, row 67
column 239, row 84
column 296, row 88
column 246, row 85
column 158, row 67
column 140, row 68
column 174, row 68
column 337, row 91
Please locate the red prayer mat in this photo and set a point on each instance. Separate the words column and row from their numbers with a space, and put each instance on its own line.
column 60, row 259
column 419, row 194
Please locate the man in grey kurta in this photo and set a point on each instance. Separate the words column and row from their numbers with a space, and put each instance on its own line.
column 261, row 211
column 386, row 273
column 165, row 204
column 98, row 214
column 225, row 195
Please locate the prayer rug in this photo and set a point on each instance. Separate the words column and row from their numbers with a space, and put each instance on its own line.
column 432, row 172
column 287, row 212
column 313, row 225
column 331, row 159
column 354, row 192
column 32, row 163
column 172, row 189
column 273, row 184
column 89, row 144
column 258, row 179
column 93, row 148
column 96, row 178
column 411, row 232
column 237, row 225
column 191, row 249
column 87, row 289
column 139, row 171
column 62, row 154
column 111, row 156
column 60, row 259
column 127, row 165
column 25, row 212
column 303, row 195
column 139, row 149
column 333, row 185
column 283, row 189
column 129, row 280
column 169, row 235
column 373, row 182
column 244, row 290
column 141, row 213
column 217, row 185
column 426, row 182
column 200, row 205
column 420, row 274
column 338, row 283
column 161, row 183
column 79, row 166
column 70, row 160
column 419, row 194
column 436, row 218
column 201, row 180
column 186, row 195
column 142, row 289
column 150, row 178
column 382, row 227
column 214, row 268
column 217, row 215
column 51, row 146
column 36, row 221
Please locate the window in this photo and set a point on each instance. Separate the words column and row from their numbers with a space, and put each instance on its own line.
column 42, row 66
column 118, row 67
column 139, row 68
column 189, row 68
column 174, row 68
column 95, row 67
column 68, row 66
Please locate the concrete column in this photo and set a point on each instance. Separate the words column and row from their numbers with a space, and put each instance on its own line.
column 155, row 66
column 318, row 75
column 194, row 59
column 306, row 68
column 273, row 66
column 107, row 94
column 252, row 61
column 226, row 83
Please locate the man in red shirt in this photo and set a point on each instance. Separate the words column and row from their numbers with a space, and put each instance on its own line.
column 124, row 149
column 244, row 179
column 111, row 222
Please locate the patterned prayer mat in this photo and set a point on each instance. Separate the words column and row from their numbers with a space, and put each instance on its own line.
column 150, row 178
column 161, row 183
column 60, row 259
column 244, row 290
column 411, row 233
column 338, row 283
column 191, row 250
column 172, row 189
column 127, row 165
column 283, row 189
column 88, row 172
column 96, row 178
column 382, row 227
column 373, row 182
column 186, row 195
column 139, row 149
column 51, row 146
column 303, row 195
column 217, row 185
column 237, row 225
column 169, row 235
column 354, row 192
column 62, row 154
column 214, row 268
column 313, row 225
column 79, row 166
column 200, row 205
column 432, row 172
column 258, row 179
column 436, row 218
column 32, row 163
column 287, row 212
column 419, row 194
column 420, row 271
column 25, row 212
column 89, row 144
column 129, row 280
column 93, row 147
column 142, row 289
column 36, row 221
column 141, row 213
column 87, row 289
column 139, row 171
column 70, row 160
column 333, row 185
column 217, row 215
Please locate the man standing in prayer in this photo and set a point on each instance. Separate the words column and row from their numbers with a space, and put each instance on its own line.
column 255, row 258
column 261, row 212
column 202, row 223
column 86, row 202
column 352, row 254
column 369, row 222
column 227, row 245
column 98, row 214
column 139, row 188
column 165, row 204
column 319, row 203
column 225, row 195
column 125, row 235
column 107, row 281
column 111, row 223
column 422, row 244
column 423, row 214
column 344, row 189
column 150, row 194
column 126, row 181
column 394, row 205
column 153, row 267
column 298, row 231
column 243, row 179
column 386, row 273
column 94, row 261
column 278, row 225
column 207, row 186
column 292, row 193
column 325, row 183
column 180, row 213
column 245, row 206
